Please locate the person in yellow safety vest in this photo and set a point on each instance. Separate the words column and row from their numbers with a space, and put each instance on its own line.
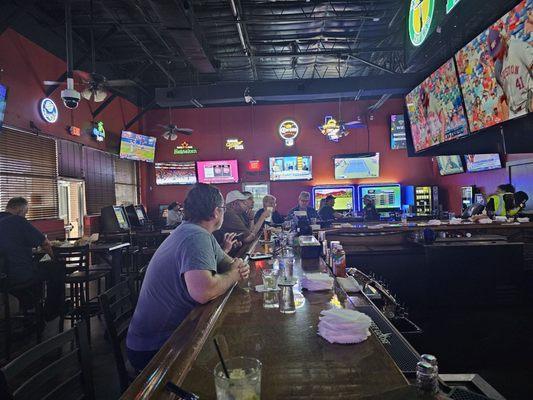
column 500, row 203
column 520, row 200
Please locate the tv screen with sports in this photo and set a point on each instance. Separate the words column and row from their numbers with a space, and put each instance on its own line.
column 386, row 197
column 482, row 162
column 137, row 147
column 290, row 168
column 397, row 132
column 450, row 165
column 175, row 173
column 495, row 69
column 355, row 166
column 435, row 109
column 3, row 97
column 344, row 196
column 214, row 172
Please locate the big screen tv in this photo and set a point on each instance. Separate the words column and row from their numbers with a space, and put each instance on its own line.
column 344, row 196
column 386, row 197
column 397, row 132
column 3, row 97
column 495, row 70
column 450, row 165
column 214, row 172
column 355, row 166
column 175, row 173
column 482, row 162
column 435, row 109
column 290, row 168
column 137, row 147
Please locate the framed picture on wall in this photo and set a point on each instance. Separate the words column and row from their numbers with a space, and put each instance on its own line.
column 259, row 190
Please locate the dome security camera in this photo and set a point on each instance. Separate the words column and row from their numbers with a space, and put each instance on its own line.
column 70, row 96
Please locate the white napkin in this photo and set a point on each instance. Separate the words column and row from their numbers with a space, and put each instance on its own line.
column 434, row 222
column 349, row 284
column 525, row 219
column 485, row 221
column 339, row 325
column 456, row 221
column 500, row 218
column 317, row 281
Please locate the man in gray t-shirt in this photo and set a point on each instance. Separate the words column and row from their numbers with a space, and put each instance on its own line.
column 186, row 270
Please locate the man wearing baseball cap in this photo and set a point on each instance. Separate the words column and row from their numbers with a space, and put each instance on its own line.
column 233, row 221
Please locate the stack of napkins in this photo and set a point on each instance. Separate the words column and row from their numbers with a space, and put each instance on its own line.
column 339, row 325
column 317, row 281
column 455, row 221
column 525, row 219
column 485, row 221
column 434, row 222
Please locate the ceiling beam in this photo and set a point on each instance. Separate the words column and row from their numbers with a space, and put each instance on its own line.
column 10, row 16
column 144, row 110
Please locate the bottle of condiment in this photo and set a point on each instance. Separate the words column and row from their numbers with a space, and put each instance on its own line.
column 339, row 263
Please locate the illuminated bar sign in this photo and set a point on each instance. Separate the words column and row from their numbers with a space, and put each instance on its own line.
column 99, row 131
column 185, row 148
column 255, row 166
column 48, row 110
column 234, row 144
column 288, row 130
column 451, row 4
column 74, row 131
column 420, row 18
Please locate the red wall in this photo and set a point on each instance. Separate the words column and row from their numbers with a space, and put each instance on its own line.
column 212, row 126
column 25, row 66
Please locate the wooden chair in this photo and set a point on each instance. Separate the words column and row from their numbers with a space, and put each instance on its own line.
column 117, row 305
column 79, row 275
column 58, row 368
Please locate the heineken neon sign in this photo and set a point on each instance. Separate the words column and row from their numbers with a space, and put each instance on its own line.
column 421, row 14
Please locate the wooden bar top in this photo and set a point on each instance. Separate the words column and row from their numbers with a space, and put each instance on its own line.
column 297, row 363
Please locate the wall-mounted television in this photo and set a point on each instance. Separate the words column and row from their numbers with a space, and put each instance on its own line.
column 214, row 172
column 356, row 166
column 175, row 173
column 450, row 165
column 397, row 132
column 482, row 162
column 495, row 70
column 435, row 109
column 137, row 147
column 3, row 103
column 290, row 168
column 344, row 196
column 386, row 196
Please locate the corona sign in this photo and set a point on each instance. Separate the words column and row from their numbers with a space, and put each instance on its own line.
column 288, row 130
column 420, row 18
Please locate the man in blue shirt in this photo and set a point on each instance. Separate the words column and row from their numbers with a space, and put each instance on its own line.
column 327, row 212
column 17, row 239
column 303, row 205
column 188, row 269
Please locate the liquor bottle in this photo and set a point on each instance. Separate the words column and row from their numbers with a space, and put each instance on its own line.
column 339, row 263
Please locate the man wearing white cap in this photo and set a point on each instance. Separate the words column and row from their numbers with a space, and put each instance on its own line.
column 233, row 221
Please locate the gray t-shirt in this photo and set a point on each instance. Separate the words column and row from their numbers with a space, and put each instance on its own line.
column 164, row 301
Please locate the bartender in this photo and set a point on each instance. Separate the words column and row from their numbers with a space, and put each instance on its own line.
column 501, row 202
column 327, row 212
column 520, row 200
column 303, row 205
column 369, row 209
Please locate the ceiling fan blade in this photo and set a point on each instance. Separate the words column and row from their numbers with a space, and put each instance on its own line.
column 185, row 131
column 166, row 135
column 86, row 94
column 50, row 83
column 173, row 136
column 100, row 95
column 120, row 82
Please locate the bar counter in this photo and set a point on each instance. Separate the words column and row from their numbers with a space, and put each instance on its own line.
column 297, row 363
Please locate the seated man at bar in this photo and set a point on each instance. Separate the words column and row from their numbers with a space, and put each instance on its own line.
column 369, row 209
column 188, row 269
column 174, row 215
column 234, row 222
column 303, row 205
column 249, row 214
column 17, row 239
column 269, row 202
column 327, row 212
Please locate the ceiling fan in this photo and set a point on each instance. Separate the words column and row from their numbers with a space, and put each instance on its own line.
column 172, row 130
column 95, row 86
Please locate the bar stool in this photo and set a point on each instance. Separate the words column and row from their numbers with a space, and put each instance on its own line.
column 79, row 275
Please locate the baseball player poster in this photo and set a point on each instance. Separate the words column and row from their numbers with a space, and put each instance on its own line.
column 435, row 109
column 496, row 70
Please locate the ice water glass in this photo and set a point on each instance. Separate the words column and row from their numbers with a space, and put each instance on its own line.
column 270, row 278
column 286, row 301
column 244, row 379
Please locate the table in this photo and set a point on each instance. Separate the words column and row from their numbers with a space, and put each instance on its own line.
column 111, row 253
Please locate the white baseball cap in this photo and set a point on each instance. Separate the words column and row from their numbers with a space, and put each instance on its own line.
column 235, row 195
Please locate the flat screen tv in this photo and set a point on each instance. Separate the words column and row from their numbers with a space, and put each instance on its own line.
column 344, row 196
column 290, row 168
column 3, row 98
column 386, row 197
column 397, row 132
column 175, row 173
column 355, row 166
column 435, row 109
column 450, row 165
column 214, row 172
column 482, row 162
column 495, row 70
column 137, row 147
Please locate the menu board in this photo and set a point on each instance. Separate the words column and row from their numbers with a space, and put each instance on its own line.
column 495, row 69
column 435, row 109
